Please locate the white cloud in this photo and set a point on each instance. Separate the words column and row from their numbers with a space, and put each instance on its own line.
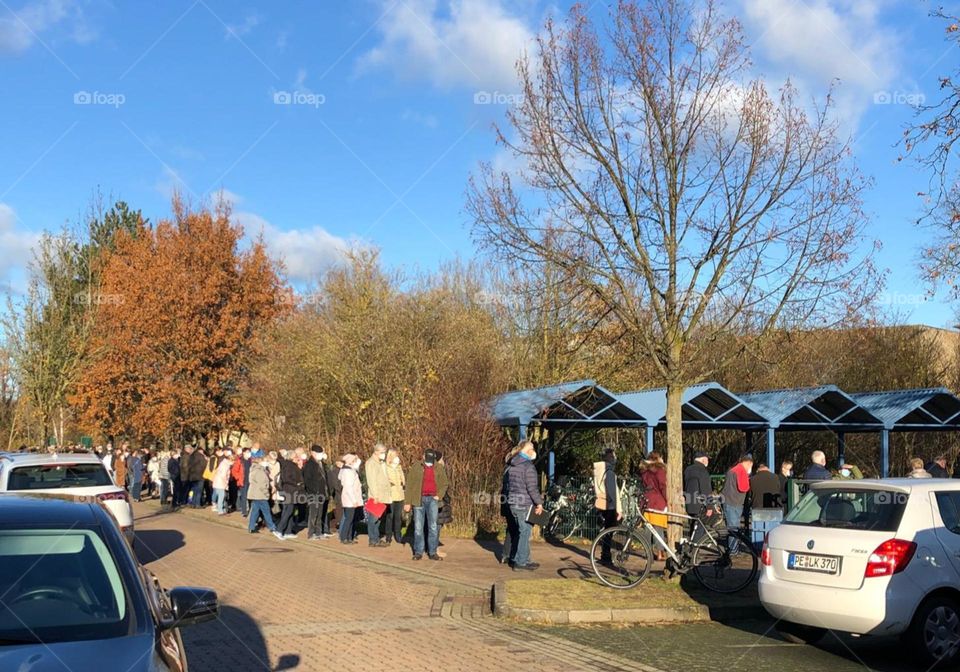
column 16, row 251
column 20, row 28
column 451, row 43
column 818, row 42
column 305, row 253
column 245, row 27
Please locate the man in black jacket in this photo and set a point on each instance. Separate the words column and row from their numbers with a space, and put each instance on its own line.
column 315, row 485
column 696, row 483
column 192, row 465
column 765, row 489
column 291, row 486
column 938, row 468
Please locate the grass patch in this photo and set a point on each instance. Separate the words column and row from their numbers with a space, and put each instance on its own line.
column 565, row 594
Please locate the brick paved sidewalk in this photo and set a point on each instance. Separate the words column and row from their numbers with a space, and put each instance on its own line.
column 468, row 561
column 312, row 606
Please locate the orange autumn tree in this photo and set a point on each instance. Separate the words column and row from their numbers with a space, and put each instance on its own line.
column 180, row 305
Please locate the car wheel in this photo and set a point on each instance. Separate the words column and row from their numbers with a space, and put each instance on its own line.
column 935, row 631
column 796, row 633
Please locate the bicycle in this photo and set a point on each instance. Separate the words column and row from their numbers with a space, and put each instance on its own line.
column 722, row 560
column 564, row 520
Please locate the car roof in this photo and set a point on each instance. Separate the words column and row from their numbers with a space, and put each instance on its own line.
column 48, row 509
column 895, row 484
column 20, row 459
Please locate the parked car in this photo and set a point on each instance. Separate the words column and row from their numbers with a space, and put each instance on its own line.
column 869, row 557
column 75, row 597
column 71, row 474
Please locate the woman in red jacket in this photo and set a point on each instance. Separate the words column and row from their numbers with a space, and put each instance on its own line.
column 654, row 478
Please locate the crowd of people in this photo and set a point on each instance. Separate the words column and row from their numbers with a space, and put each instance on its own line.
column 286, row 491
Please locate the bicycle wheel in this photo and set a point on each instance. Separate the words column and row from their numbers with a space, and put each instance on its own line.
column 725, row 564
column 562, row 525
column 621, row 558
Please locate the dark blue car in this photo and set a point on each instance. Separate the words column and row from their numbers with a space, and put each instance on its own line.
column 73, row 598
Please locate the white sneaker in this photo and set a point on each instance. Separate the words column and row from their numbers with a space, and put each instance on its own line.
column 277, row 534
column 289, row 536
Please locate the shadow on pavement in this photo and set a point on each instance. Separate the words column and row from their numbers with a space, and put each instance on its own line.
column 233, row 642
column 152, row 545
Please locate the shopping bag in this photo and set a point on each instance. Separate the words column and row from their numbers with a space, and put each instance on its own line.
column 375, row 508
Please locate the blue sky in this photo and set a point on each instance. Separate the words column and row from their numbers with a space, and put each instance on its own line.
column 329, row 124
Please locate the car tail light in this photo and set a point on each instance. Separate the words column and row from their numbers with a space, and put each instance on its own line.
column 114, row 496
column 890, row 557
column 765, row 556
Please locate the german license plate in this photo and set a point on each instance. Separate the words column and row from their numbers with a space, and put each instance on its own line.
column 804, row 562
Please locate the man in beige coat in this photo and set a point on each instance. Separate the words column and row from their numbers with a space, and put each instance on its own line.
column 378, row 490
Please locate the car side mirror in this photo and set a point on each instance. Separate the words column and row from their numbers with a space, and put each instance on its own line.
column 193, row 605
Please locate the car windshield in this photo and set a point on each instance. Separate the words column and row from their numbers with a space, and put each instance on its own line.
column 59, row 586
column 60, row 475
column 876, row 510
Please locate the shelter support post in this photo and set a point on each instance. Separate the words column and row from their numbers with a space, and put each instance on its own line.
column 771, row 449
column 841, row 449
column 884, row 453
column 648, row 446
column 551, row 457
column 522, row 432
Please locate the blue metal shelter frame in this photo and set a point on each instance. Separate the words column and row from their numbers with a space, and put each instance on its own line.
column 584, row 405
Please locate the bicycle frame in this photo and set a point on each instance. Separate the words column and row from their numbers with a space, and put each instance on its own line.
column 661, row 542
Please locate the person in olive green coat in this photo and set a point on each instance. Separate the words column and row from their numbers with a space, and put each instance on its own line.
column 394, row 514
column 426, row 485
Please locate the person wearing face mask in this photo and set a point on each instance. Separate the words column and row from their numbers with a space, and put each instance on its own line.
column 523, row 493
column 315, row 487
column 608, row 501
column 394, row 515
column 426, row 486
column 378, row 494
column 351, row 497
column 849, row 472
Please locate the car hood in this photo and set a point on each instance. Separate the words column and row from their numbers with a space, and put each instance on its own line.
column 135, row 654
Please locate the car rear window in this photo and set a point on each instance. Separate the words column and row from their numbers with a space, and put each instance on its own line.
column 878, row 510
column 60, row 475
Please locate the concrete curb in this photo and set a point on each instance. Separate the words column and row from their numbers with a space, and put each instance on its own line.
column 640, row 615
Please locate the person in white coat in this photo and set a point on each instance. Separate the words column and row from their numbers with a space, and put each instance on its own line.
column 351, row 497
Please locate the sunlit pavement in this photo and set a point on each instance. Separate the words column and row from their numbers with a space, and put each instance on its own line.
column 310, row 606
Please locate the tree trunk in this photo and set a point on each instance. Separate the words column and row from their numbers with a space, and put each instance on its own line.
column 674, row 457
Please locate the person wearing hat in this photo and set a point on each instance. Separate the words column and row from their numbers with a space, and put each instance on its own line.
column 426, row 485
column 696, row 484
column 315, row 485
column 258, row 494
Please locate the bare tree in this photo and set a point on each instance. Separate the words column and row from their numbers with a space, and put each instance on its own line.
column 930, row 140
column 689, row 201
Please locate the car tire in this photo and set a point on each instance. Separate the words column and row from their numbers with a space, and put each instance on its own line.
column 935, row 631
column 795, row 633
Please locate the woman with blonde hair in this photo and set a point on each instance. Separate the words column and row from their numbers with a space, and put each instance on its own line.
column 394, row 514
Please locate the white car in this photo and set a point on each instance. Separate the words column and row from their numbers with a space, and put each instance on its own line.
column 869, row 557
column 79, row 474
